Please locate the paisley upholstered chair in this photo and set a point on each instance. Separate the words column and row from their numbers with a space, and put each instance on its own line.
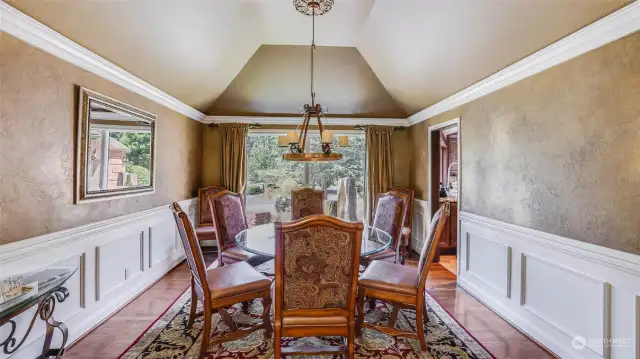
column 408, row 221
column 229, row 219
column 402, row 286
column 305, row 202
column 206, row 231
column 220, row 288
column 316, row 272
column 389, row 216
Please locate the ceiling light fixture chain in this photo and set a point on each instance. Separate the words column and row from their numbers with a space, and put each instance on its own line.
column 297, row 140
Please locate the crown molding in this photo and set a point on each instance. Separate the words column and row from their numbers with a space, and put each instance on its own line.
column 608, row 29
column 27, row 29
column 296, row 120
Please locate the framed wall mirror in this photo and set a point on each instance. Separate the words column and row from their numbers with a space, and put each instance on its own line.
column 115, row 149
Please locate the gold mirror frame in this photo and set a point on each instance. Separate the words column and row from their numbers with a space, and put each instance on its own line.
column 82, row 195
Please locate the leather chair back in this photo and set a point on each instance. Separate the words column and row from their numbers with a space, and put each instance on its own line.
column 430, row 247
column 192, row 251
column 316, row 269
column 204, row 211
column 228, row 217
column 408, row 219
column 306, row 202
column 390, row 214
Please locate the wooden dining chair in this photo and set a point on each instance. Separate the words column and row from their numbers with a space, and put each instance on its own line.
column 389, row 216
column 402, row 286
column 205, row 230
column 229, row 219
column 316, row 273
column 306, row 202
column 220, row 288
column 408, row 222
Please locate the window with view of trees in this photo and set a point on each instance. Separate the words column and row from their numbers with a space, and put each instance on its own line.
column 270, row 179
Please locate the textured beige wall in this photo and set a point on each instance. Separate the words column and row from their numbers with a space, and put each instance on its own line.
column 557, row 152
column 37, row 155
column 400, row 147
column 211, row 156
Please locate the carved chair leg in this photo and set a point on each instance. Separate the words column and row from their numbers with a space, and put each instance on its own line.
column 426, row 312
column 245, row 307
column 420, row 327
column 351, row 338
column 360, row 308
column 372, row 303
column 266, row 319
column 394, row 316
column 276, row 341
column 194, row 306
column 206, row 333
column 227, row 319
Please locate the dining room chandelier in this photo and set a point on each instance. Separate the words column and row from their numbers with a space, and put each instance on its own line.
column 296, row 140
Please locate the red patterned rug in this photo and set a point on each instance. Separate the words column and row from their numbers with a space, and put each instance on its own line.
column 169, row 337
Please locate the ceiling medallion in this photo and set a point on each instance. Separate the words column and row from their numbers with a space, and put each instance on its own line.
column 307, row 7
column 297, row 140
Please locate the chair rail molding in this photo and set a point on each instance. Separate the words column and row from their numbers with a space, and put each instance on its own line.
column 118, row 258
column 26, row 28
column 608, row 29
column 572, row 297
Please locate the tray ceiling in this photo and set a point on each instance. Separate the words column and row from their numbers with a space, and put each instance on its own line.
column 417, row 53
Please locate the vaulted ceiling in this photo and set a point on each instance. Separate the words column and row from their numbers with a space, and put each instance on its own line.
column 382, row 58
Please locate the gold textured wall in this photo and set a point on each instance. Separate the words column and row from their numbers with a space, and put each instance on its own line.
column 37, row 133
column 558, row 152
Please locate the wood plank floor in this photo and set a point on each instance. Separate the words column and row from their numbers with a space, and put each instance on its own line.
column 114, row 335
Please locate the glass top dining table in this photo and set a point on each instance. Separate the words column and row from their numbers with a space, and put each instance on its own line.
column 261, row 240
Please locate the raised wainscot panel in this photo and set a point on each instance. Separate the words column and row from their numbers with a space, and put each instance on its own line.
column 118, row 261
column 489, row 262
column 575, row 304
column 162, row 241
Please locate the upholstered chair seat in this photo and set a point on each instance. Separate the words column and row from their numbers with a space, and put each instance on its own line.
column 390, row 277
column 207, row 233
column 236, row 254
column 235, row 279
column 402, row 286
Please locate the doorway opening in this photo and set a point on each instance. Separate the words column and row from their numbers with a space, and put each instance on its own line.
column 444, row 186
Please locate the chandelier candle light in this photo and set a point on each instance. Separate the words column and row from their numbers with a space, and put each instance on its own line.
column 296, row 140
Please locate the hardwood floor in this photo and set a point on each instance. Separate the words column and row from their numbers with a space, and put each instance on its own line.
column 114, row 335
column 449, row 261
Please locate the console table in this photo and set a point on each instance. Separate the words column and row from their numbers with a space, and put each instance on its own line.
column 51, row 291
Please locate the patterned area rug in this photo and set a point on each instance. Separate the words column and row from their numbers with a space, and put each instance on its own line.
column 169, row 337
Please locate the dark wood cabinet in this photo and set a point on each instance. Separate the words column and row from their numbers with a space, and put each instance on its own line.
column 449, row 240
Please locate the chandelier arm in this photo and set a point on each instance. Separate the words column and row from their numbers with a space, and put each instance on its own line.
column 304, row 129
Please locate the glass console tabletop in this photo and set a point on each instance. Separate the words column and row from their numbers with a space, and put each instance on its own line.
column 261, row 240
column 42, row 288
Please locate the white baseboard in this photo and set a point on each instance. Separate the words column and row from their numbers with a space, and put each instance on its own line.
column 555, row 289
column 117, row 258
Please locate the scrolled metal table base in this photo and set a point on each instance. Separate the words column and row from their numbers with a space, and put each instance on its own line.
column 45, row 311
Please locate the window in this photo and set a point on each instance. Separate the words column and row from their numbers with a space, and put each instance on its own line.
column 270, row 179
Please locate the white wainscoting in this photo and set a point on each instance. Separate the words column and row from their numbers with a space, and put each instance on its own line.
column 579, row 300
column 420, row 221
column 117, row 258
